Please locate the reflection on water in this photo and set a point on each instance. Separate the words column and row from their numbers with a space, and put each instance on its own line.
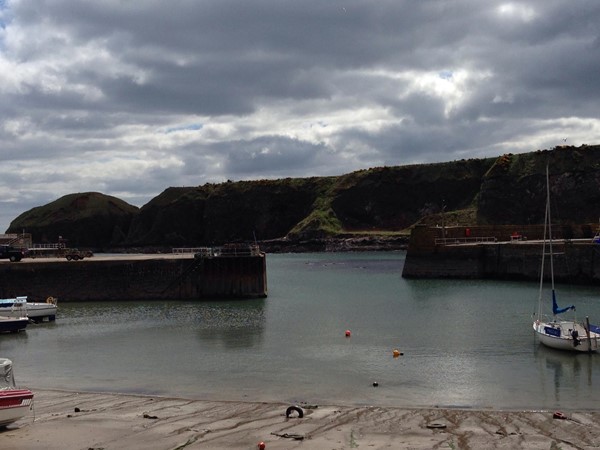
column 232, row 324
column 465, row 342
column 566, row 374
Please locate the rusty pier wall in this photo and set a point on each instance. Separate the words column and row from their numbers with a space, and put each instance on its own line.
column 493, row 255
column 96, row 279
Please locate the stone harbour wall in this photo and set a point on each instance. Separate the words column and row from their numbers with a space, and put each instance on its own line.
column 136, row 279
column 575, row 261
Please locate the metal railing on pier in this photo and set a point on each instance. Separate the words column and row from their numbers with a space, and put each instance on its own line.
column 464, row 240
column 219, row 252
column 50, row 246
column 18, row 240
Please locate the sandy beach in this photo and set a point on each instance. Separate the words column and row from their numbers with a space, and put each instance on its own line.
column 63, row 420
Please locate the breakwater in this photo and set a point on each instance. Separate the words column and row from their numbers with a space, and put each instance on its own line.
column 147, row 277
column 501, row 252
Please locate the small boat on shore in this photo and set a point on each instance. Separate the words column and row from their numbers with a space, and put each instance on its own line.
column 35, row 311
column 13, row 324
column 14, row 402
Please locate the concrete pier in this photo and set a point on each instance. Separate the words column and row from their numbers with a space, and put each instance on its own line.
column 137, row 277
column 498, row 253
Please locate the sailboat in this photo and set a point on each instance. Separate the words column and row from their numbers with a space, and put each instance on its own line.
column 555, row 332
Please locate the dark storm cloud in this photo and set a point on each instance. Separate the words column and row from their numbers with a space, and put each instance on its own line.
column 128, row 98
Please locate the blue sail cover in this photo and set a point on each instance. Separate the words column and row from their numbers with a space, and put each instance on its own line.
column 555, row 309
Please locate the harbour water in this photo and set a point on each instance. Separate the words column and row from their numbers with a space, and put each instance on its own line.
column 465, row 343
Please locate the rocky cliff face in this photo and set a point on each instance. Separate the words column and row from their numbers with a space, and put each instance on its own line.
column 219, row 213
column 313, row 208
column 394, row 198
column 505, row 190
column 513, row 191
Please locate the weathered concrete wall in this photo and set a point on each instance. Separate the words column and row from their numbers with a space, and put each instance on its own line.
column 131, row 279
column 574, row 262
column 423, row 237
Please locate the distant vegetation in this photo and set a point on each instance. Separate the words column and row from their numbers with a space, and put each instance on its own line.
column 382, row 201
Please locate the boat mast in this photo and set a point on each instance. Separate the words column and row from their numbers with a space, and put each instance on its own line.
column 543, row 265
column 547, row 241
column 549, row 217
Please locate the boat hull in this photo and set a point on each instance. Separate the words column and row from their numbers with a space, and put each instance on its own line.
column 557, row 335
column 13, row 324
column 14, row 405
column 39, row 311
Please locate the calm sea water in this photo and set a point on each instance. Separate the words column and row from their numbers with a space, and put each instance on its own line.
column 465, row 343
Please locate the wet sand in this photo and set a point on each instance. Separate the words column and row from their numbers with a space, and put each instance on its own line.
column 94, row 421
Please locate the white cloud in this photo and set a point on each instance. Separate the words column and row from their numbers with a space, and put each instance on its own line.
column 519, row 11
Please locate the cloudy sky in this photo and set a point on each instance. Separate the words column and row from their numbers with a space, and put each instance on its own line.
column 129, row 97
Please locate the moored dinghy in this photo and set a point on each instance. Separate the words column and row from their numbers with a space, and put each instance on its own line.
column 562, row 334
column 14, row 402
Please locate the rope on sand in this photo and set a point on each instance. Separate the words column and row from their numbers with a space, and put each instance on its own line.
column 297, row 437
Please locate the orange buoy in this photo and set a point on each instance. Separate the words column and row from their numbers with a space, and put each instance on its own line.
column 348, row 334
column 396, row 353
column 261, row 445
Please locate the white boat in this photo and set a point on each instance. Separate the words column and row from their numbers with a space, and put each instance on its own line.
column 552, row 331
column 15, row 403
column 35, row 311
